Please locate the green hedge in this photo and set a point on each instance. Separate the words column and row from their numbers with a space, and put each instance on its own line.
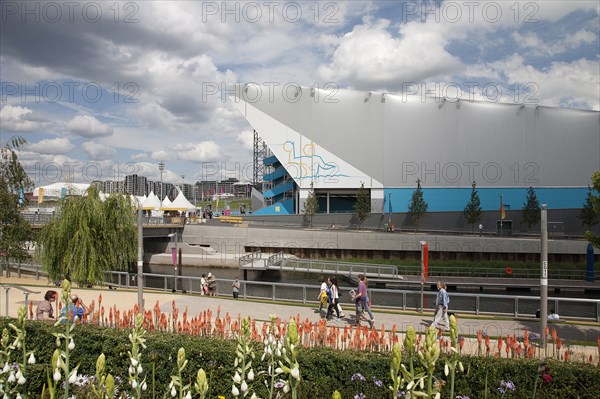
column 323, row 370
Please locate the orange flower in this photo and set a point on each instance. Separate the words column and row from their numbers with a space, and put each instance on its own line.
column 566, row 356
column 500, row 342
column 554, row 335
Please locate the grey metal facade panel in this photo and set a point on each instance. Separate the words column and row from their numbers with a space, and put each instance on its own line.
column 445, row 144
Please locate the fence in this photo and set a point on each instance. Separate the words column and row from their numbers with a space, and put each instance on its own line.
column 478, row 304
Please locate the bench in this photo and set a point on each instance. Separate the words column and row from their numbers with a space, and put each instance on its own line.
column 231, row 219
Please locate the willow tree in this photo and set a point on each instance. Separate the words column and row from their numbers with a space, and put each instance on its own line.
column 595, row 199
column 15, row 231
column 88, row 238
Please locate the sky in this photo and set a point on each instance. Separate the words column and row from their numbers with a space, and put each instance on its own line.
column 104, row 89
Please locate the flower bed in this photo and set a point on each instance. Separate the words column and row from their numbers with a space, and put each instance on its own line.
column 239, row 358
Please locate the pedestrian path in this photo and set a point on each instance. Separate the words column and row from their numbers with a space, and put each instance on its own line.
column 125, row 299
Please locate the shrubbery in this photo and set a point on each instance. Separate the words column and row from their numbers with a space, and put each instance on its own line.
column 323, row 370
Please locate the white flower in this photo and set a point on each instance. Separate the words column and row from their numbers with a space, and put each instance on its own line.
column 31, row 359
column 144, row 386
column 134, row 384
column 134, row 362
column 295, row 372
column 131, row 370
column 140, row 369
column 244, row 386
column 11, row 378
column 253, row 396
column 56, row 376
column 71, row 345
column 173, row 392
column 278, row 370
column 446, row 369
column 21, row 380
column 236, row 378
column 19, row 396
column 286, row 388
column 72, row 378
column 6, row 368
column 234, row 391
column 189, row 395
column 251, row 375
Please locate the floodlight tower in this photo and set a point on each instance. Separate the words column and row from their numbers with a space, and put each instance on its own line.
column 161, row 167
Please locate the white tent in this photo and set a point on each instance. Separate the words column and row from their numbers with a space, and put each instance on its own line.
column 57, row 190
column 166, row 203
column 180, row 204
column 151, row 203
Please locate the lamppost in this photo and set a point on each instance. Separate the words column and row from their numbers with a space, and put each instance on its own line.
column 174, row 257
column 161, row 167
column 140, row 255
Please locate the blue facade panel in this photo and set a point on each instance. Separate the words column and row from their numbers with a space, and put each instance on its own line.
column 281, row 208
column 455, row 199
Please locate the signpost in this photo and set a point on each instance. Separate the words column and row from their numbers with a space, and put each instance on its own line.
column 424, row 267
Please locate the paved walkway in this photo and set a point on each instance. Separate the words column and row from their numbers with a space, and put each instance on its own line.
column 125, row 300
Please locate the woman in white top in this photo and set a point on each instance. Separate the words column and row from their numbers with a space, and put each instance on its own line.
column 334, row 298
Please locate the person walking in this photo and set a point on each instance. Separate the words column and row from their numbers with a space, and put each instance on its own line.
column 362, row 301
column 322, row 294
column 333, row 299
column 441, row 304
column 236, row 288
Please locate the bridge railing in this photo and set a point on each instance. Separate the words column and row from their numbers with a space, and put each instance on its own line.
column 342, row 268
column 249, row 258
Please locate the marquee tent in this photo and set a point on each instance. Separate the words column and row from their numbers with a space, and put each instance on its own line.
column 180, row 203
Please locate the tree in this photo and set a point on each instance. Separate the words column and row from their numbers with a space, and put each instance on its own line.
column 88, row 238
column 595, row 199
column 473, row 209
column 311, row 206
column 363, row 204
column 531, row 209
column 417, row 209
column 15, row 231
column 588, row 215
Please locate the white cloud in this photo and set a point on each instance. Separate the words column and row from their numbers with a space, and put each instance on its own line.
column 561, row 83
column 139, row 156
column 18, row 119
column 98, row 151
column 88, row 126
column 246, row 139
column 538, row 47
column 206, row 151
column 51, row 146
column 370, row 57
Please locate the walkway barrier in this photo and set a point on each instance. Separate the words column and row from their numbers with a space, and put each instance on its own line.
column 468, row 303
column 26, row 292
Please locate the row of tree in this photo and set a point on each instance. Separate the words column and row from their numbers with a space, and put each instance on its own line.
column 90, row 237
column 418, row 207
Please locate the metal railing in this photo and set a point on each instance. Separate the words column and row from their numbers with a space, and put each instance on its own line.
column 462, row 271
column 341, row 268
column 43, row 218
column 468, row 303
column 249, row 258
column 26, row 292
column 478, row 304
